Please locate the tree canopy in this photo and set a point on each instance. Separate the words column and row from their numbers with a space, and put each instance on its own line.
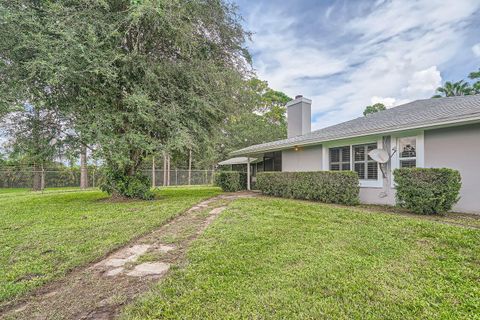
column 475, row 75
column 451, row 89
column 374, row 108
column 131, row 77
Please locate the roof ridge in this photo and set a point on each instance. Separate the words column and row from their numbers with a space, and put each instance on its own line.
column 420, row 113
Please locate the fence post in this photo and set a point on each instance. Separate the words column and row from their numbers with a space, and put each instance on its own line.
column 153, row 172
column 189, row 167
column 176, row 176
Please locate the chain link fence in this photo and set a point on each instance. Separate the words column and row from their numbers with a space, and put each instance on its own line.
column 12, row 178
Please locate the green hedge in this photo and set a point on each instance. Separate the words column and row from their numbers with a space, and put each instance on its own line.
column 231, row 181
column 324, row 186
column 427, row 190
column 118, row 184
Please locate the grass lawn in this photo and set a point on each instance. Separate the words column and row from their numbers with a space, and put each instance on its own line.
column 42, row 236
column 287, row 259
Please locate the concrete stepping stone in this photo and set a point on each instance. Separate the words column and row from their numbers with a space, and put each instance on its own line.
column 149, row 269
column 126, row 255
column 114, row 272
column 166, row 248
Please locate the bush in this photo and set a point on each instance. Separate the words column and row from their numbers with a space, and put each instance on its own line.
column 427, row 191
column 324, row 186
column 117, row 184
column 231, row 181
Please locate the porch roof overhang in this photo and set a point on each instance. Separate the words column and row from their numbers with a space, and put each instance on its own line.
column 237, row 160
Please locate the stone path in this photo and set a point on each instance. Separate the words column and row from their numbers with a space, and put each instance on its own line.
column 101, row 290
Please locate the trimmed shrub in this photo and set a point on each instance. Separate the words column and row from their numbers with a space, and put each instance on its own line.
column 325, row 186
column 427, row 190
column 231, row 181
column 119, row 185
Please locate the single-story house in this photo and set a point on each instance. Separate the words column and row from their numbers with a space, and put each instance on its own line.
column 438, row 132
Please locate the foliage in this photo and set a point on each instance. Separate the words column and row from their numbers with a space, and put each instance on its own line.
column 130, row 77
column 231, row 181
column 450, row 89
column 324, row 186
column 260, row 118
column 427, row 190
column 119, row 185
column 374, row 108
column 475, row 75
column 287, row 259
column 71, row 229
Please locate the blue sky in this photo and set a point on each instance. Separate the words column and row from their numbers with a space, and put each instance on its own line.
column 348, row 54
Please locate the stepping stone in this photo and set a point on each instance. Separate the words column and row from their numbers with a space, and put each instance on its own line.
column 126, row 255
column 116, row 262
column 149, row 269
column 114, row 272
column 166, row 248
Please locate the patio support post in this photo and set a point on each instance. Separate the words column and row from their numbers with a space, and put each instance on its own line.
column 248, row 173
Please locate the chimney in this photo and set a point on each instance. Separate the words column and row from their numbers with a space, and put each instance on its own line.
column 299, row 112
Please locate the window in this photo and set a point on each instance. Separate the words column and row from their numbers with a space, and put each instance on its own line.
column 365, row 166
column 340, row 158
column 407, row 152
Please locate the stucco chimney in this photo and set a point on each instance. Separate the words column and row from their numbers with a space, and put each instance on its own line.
column 299, row 112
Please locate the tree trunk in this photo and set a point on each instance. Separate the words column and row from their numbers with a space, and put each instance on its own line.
column 42, row 180
column 153, row 172
column 212, row 178
column 190, row 167
column 83, row 168
column 37, row 178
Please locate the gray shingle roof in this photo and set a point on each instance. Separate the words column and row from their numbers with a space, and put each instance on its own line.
column 416, row 114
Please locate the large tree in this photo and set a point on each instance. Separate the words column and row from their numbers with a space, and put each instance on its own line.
column 131, row 76
column 261, row 118
column 32, row 138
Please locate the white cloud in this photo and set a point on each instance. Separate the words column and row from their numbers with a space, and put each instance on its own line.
column 392, row 55
column 423, row 82
column 476, row 49
column 284, row 59
column 387, row 101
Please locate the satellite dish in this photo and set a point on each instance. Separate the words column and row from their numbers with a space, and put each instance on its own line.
column 379, row 155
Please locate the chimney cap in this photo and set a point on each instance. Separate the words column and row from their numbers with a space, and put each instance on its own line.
column 298, row 96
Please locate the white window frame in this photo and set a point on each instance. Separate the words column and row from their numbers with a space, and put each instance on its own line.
column 420, row 151
column 353, row 142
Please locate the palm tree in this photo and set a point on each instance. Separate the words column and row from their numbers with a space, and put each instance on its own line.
column 450, row 89
column 475, row 76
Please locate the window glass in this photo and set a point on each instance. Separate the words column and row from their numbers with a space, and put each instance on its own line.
column 408, row 163
column 408, row 147
column 407, row 152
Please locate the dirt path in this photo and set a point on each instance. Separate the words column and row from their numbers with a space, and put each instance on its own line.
column 101, row 290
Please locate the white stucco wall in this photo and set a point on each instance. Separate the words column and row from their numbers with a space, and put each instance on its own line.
column 458, row 148
column 304, row 159
column 455, row 147
column 384, row 196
